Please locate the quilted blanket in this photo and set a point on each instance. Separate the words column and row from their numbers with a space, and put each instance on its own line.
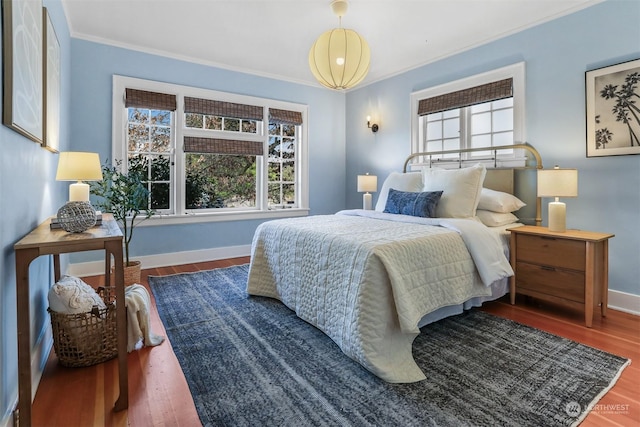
column 365, row 282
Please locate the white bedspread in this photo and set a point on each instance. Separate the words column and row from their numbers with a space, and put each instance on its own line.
column 366, row 282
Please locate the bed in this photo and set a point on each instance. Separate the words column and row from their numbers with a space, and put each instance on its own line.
column 371, row 279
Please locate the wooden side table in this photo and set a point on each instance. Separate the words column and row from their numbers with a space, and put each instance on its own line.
column 44, row 241
column 569, row 268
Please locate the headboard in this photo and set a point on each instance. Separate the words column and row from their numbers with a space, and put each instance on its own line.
column 512, row 180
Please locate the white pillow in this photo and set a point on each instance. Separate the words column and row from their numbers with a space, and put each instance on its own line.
column 498, row 201
column 71, row 295
column 461, row 189
column 495, row 219
column 411, row 181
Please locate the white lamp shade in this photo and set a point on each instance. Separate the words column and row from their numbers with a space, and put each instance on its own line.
column 367, row 183
column 557, row 182
column 340, row 58
column 78, row 166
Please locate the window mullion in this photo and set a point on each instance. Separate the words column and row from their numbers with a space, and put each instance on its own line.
column 263, row 166
column 465, row 127
column 179, row 169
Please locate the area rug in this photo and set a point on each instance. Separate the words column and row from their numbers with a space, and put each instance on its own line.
column 249, row 361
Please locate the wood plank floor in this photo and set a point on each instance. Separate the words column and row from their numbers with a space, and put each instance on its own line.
column 159, row 395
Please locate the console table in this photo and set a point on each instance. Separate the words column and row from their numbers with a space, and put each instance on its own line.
column 45, row 241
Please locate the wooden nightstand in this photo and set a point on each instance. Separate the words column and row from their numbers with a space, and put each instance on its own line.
column 569, row 269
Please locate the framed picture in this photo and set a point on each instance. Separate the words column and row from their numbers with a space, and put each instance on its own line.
column 23, row 70
column 51, row 63
column 613, row 115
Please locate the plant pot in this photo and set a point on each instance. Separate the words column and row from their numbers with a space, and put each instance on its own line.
column 132, row 273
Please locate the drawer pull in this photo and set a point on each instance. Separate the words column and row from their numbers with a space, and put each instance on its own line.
column 547, row 268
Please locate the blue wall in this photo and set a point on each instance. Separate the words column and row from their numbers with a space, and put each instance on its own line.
column 557, row 54
column 28, row 195
column 93, row 66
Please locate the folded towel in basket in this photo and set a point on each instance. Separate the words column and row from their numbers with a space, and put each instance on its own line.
column 139, row 332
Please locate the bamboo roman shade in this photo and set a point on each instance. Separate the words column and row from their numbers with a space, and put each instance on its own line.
column 463, row 98
column 285, row 117
column 136, row 98
column 222, row 109
column 203, row 145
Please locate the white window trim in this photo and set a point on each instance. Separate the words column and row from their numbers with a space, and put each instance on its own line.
column 181, row 216
column 515, row 72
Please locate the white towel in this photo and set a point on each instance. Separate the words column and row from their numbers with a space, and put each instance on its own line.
column 139, row 331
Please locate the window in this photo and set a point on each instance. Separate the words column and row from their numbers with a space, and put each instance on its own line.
column 209, row 154
column 223, row 142
column 482, row 111
column 149, row 142
column 283, row 134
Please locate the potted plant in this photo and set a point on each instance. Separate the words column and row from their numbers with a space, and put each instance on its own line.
column 126, row 197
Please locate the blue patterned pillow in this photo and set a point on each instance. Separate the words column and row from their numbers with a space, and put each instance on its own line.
column 415, row 204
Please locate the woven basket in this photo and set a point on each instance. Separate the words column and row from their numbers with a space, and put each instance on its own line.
column 86, row 339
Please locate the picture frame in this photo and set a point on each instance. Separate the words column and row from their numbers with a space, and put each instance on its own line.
column 23, row 99
column 613, row 122
column 51, row 70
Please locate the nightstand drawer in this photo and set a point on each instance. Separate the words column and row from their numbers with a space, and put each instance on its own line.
column 561, row 283
column 551, row 251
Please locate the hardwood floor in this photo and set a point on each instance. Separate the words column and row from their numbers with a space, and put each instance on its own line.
column 159, row 395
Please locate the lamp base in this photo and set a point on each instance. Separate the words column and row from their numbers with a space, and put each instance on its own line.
column 557, row 217
column 366, row 201
column 79, row 192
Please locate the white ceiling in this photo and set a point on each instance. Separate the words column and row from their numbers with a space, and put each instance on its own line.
column 272, row 37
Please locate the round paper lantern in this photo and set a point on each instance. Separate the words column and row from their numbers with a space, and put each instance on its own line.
column 340, row 58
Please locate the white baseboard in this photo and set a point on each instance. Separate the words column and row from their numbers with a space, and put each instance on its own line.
column 622, row 301
column 94, row 268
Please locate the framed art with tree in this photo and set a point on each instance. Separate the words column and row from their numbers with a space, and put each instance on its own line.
column 613, row 110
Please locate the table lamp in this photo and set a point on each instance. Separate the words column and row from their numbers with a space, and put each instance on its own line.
column 79, row 166
column 77, row 214
column 557, row 183
column 367, row 183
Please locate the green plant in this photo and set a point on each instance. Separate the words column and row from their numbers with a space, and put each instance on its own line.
column 126, row 197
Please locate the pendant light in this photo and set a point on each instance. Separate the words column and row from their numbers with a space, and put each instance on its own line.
column 339, row 58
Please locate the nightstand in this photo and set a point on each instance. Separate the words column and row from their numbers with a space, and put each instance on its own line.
column 569, row 269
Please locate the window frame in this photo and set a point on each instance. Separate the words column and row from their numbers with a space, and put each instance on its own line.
column 180, row 213
column 516, row 72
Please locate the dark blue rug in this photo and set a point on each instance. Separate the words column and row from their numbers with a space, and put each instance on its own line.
column 249, row 361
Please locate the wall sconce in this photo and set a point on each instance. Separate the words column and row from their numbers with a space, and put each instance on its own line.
column 373, row 127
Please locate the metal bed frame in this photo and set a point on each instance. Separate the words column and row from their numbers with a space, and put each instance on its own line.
column 460, row 160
